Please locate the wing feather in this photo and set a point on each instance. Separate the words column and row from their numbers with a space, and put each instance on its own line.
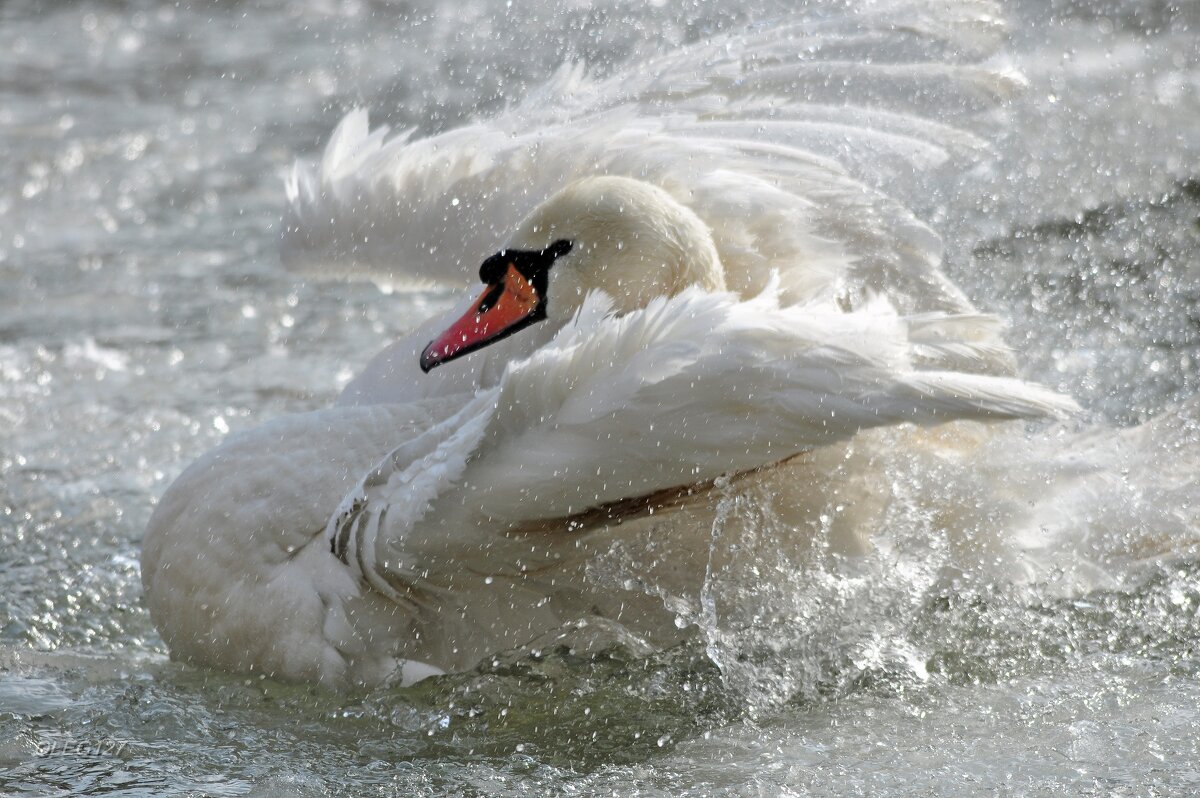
column 679, row 393
column 705, row 384
column 788, row 139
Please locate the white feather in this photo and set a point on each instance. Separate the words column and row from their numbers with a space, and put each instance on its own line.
column 702, row 385
column 778, row 138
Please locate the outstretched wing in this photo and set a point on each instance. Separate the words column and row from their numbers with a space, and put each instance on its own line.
column 619, row 407
column 702, row 385
column 783, row 139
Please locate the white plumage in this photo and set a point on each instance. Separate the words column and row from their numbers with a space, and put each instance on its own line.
column 743, row 292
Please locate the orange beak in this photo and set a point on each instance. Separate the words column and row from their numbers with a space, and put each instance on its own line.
column 502, row 309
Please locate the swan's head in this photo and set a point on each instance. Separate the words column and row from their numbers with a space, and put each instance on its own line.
column 629, row 239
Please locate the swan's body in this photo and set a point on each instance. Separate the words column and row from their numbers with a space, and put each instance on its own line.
column 648, row 355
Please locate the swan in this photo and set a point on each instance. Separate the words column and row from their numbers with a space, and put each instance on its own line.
column 717, row 311
column 473, row 511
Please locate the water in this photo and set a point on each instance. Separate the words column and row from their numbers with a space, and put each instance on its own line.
column 144, row 314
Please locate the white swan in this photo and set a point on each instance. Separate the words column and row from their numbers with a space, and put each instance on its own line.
column 635, row 351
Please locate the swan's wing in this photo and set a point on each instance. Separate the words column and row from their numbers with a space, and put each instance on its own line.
column 781, row 138
column 394, row 496
column 702, row 385
column 617, row 408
